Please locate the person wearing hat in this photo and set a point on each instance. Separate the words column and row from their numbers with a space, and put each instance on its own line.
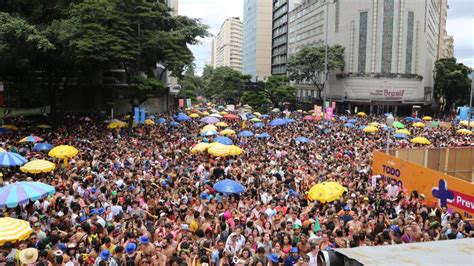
column 293, row 258
column 106, row 257
column 273, row 260
column 130, row 257
column 28, row 256
column 147, row 249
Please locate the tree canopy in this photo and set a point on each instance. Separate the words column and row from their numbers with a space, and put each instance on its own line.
column 452, row 83
column 223, row 83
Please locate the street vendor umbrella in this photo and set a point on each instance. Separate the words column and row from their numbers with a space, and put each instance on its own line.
column 209, row 120
column 245, row 134
column 38, row 166
column 418, row 124
column 258, row 124
column 263, row 135
column 31, row 138
column 200, row 147
column 326, row 192
column 301, row 139
column 13, row 230
column 42, row 146
column 182, row 117
column 20, row 193
column 464, row 131
column 228, row 186
column 370, row 129
column 398, row 124
column 8, row 159
column 278, row 122
column 400, row 136
column 350, row 125
column 403, row 131
column 227, row 132
column 231, row 117
column 421, row 140
column 63, row 151
column 209, row 133
column 223, row 140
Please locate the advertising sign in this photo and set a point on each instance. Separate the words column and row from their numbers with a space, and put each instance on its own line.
column 136, row 115
column 188, row 102
column 318, row 112
column 333, row 105
column 329, row 113
column 181, row 103
column 142, row 115
column 445, row 190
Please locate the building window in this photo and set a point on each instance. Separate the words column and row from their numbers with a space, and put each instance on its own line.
column 362, row 41
column 387, row 35
column 409, row 51
column 337, row 16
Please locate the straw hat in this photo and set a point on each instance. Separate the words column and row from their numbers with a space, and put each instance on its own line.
column 28, row 255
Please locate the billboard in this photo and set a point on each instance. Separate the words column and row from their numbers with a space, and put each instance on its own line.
column 447, row 191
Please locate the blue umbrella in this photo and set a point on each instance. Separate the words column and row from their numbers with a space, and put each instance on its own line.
column 290, row 120
column 42, row 147
column 343, row 118
column 263, row 135
column 161, row 121
column 4, row 131
column 409, row 119
column 302, row 139
column 209, row 120
column 209, row 133
column 264, row 116
column 362, row 127
column 352, row 120
column 11, row 159
column 400, row 136
column 245, row 134
column 349, row 125
column 20, row 193
column 388, row 129
column 223, row 140
column 228, row 186
column 258, row 124
column 174, row 124
column 418, row 119
column 182, row 117
column 250, row 116
column 278, row 122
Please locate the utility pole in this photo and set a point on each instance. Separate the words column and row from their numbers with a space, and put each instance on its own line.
column 326, row 50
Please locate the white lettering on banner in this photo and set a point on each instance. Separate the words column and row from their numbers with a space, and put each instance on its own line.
column 388, row 94
column 463, row 202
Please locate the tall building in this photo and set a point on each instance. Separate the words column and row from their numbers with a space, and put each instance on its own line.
column 257, row 41
column 227, row 45
column 390, row 50
column 445, row 42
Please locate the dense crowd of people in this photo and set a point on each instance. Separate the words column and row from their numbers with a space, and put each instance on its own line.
column 141, row 198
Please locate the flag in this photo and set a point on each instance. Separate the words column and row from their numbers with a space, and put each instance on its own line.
column 317, row 226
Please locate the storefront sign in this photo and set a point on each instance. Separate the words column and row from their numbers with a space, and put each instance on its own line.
column 14, row 112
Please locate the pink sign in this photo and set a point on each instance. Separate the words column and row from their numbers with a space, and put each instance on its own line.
column 329, row 113
column 181, row 103
column 318, row 112
column 333, row 106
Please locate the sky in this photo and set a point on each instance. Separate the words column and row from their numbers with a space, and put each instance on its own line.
column 213, row 12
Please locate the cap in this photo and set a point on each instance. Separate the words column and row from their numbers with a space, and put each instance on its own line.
column 273, row 257
column 294, row 250
column 101, row 211
column 105, row 255
column 347, row 208
column 130, row 248
column 144, row 239
column 296, row 226
column 93, row 211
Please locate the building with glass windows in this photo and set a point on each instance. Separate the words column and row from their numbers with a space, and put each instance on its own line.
column 390, row 50
column 227, row 45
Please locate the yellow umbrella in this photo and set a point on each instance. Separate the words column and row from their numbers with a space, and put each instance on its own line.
column 149, row 122
column 257, row 114
column 227, row 132
column 464, row 131
column 234, row 150
column 403, row 131
column 370, row 129
column 208, row 128
column 11, row 127
column 2, row 150
column 326, row 192
column 223, row 113
column 427, row 118
column 63, row 151
column 421, row 140
column 361, row 114
column 205, row 113
column 299, row 111
column 221, row 124
column 466, row 123
column 374, row 124
column 218, row 149
column 118, row 124
column 418, row 124
column 38, row 166
column 200, row 147
column 12, row 230
column 44, row 126
column 194, row 115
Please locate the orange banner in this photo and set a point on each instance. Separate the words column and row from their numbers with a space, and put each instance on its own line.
column 446, row 190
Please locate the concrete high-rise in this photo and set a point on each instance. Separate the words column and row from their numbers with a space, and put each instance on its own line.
column 445, row 42
column 173, row 4
column 227, row 45
column 257, row 38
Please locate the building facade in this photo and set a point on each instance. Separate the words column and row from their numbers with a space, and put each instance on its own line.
column 390, row 50
column 445, row 42
column 257, row 38
column 227, row 45
column 173, row 4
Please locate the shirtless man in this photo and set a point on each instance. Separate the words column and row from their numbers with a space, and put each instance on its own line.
column 355, row 226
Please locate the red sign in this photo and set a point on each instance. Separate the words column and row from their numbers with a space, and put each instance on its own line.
column 181, row 103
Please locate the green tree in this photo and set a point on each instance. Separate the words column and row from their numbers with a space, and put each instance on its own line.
column 223, row 83
column 278, row 90
column 308, row 64
column 257, row 99
column 191, row 84
column 452, row 83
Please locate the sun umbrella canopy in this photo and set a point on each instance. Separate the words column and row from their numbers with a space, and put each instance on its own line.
column 218, row 149
column 350, row 125
column 409, row 119
column 245, row 134
column 343, row 118
column 352, row 120
column 205, row 113
column 370, row 129
column 222, row 112
column 255, row 120
column 38, row 166
column 231, row 117
column 290, row 120
column 361, row 114
column 466, row 123
column 31, row 138
column 398, row 124
column 216, row 115
column 264, row 116
column 182, row 117
column 418, row 124
column 161, row 121
column 13, row 230
column 11, row 127
column 194, row 115
column 258, row 124
column 174, row 124
column 278, row 122
column 257, row 114
column 464, row 132
column 234, row 150
column 222, row 124
column 374, row 124
column 403, row 131
column 8, row 159
column 309, row 118
column 63, row 151
column 263, row 135
column 228, row 186
column 209, row 120
column 118, row 124
column 209, row 133
column 427, row 118
column 227, row 132
column 301, row 139
column 326, row 192
column 400, row 136
column 43, row 126
column 200, row 147
column 20, row 193
column 149, row 122
column 223, row 140
column 421, row 140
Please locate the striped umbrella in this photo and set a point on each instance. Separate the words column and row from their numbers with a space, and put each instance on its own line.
column 12, row 230
column 38, row 166
column 8, row 159
column 21, row 192
column 31, row 138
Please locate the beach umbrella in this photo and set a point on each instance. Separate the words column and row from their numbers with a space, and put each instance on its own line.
column 418, row 124
column 234, row 150
column 227, row 132
column 309, row 118
column 223, row 140
column 63, row 151
column 13, row 230
column 403, row 131
column 38, row 166
column 362, row 114
column 208, row 127
column 194, row 115
column 374, row 124
column 427, row 118
column 219, row 150
column 466, row 123
column 221, row 124
column 3, row 150
column 370, row 129
column 255, row 120
column 200, row 147
column 149, row 122
column 228, row 186
column 326, row 192
column 264, row 116
column 258, row 124
column 31, row 138
column 245, row 134
column 263, row 135
column 20, row 193
column 352, row 120
column 231, row 117
column 11, row 127
column 216, row 115
column 278, row 122
column 43, row 126
column 182, row 117
column 117, row 124
column 343, row 118
column 398, row 124
column 8, row 159
column 409, row 119
column 209, row 133
column 464, row 132
column 209, row 120
column 161, row 121
column 421, row 140
column 301, row 139
column 257, row 114
column 174, row 124
column 400, row 136
column 350, row 125
column 290, row 120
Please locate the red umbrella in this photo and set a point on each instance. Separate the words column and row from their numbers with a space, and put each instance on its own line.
column 309, row 118
column 231, row 116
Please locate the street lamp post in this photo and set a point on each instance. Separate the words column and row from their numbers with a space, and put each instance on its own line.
column 390, row 120
column 326, row 48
